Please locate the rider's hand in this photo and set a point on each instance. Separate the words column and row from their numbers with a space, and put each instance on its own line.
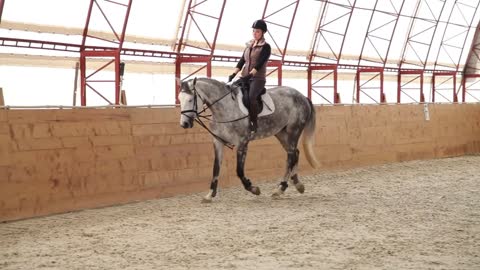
column 248, row 77
column 253, row 72
column 230, row 78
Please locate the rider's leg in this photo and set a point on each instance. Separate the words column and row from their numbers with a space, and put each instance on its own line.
column 256, row 87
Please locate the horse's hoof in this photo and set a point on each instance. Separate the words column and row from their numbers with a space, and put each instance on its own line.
column 206, row 200
column 300, row 187
column 255, row 190
column 277, row 194
column 209, row 196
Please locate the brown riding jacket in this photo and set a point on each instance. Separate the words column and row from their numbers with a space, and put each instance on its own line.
column 255, row 57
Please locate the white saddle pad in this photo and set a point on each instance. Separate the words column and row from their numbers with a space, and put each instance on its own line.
column 268, row 106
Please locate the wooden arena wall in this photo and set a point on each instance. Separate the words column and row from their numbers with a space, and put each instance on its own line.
column 54, row 161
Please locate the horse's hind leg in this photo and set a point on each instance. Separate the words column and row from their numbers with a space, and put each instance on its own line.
column 299, row 186
column 292, row 161
column 289, row 142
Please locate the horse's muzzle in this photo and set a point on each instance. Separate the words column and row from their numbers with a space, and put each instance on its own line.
column 186, row 124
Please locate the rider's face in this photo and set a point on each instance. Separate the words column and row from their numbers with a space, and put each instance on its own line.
column 257, row 33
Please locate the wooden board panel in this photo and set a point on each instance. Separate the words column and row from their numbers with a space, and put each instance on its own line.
column 53, row 161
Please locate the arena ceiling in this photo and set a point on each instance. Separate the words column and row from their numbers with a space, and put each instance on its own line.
column 368, row 40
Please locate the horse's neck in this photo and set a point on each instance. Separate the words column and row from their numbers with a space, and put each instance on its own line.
column 221, row 96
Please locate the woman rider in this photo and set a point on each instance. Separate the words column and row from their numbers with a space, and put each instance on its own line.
column 254, row 68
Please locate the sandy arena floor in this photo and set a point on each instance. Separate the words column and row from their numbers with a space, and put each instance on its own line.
column 413, row 215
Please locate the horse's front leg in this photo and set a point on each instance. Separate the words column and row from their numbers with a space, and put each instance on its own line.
column 218, row 147
column 241, row 157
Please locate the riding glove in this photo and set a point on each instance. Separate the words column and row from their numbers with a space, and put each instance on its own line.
column 230, row 78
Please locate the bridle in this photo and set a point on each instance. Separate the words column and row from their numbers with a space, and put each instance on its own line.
column 198, row 115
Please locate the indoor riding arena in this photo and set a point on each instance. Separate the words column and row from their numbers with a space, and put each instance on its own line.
column 97, row 170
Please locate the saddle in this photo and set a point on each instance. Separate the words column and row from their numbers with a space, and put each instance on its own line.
column 245, row 88
column 264, row 100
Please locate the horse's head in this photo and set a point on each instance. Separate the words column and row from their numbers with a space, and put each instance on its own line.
column 190, row 103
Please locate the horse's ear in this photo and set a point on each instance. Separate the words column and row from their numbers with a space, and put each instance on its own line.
column 194, row 81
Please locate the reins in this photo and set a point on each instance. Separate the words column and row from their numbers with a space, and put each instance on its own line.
column 198, row 115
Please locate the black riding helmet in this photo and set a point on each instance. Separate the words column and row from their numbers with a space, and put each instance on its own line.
column 260, row 24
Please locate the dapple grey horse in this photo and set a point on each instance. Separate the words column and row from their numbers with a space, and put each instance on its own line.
column 293, row 114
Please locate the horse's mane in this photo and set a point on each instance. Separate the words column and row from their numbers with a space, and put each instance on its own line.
column 215, row 82
column 220, row 84
column 185, row 87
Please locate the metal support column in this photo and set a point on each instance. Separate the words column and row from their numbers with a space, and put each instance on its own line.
column 436, row 90
column 112, row 54
column 279, row 36
column 361, row 88
column 313, row 85
column 327, row 38
column 2, row 3
column 468, row 89
column 210, row 42
column 401, row 89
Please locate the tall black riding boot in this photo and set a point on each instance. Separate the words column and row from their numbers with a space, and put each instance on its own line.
column 256, row 87
column 253, row 117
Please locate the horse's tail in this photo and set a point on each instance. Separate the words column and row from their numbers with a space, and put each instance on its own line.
column 309, row 137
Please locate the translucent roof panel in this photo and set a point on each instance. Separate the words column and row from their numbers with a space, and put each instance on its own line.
column 303, row 27
column 433, row 34
column 155, row 19
column 236, row 22
column 47, row 12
